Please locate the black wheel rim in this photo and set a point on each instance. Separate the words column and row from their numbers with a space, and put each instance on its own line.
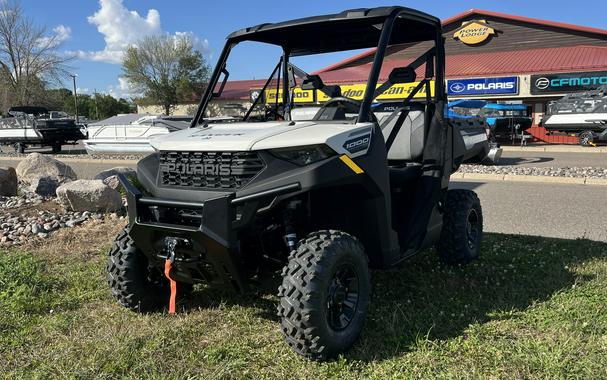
column 586, row 138
column 342, row 298
column 472, row 229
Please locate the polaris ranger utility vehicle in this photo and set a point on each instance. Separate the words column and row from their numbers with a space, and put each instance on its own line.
column 233, row 200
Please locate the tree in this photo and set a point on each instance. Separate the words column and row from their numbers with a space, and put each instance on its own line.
column 165, row 70
column 28, row 57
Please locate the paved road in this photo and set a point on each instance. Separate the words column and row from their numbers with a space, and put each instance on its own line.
column 543, row 159
column 551, row 210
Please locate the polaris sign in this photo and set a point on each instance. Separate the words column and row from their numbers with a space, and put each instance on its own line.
column 567, row 82
column 482, row 86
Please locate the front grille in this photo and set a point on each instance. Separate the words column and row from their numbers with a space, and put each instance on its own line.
column 209, row 170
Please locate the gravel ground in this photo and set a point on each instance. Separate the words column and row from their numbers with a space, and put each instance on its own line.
column 29, row 215
column 572, row 172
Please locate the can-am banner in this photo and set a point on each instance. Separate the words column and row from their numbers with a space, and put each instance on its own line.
column 353, row 91
column 567, row 82
column 482, row 86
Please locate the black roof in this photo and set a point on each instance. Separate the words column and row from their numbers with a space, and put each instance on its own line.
column 348, row 30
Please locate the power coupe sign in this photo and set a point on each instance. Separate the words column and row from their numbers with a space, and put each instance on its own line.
column 474, row 32
column 482, row 86
column 567, row 82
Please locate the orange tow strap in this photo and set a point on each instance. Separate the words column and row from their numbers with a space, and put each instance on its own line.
column 167, row 273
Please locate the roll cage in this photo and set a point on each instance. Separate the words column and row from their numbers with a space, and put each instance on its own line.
column 349, row 30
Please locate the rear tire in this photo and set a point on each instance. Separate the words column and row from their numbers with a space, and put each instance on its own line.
column 56, row 148
column 462, row 231
column 586, row 138
column 129, row 277
column 324, row 294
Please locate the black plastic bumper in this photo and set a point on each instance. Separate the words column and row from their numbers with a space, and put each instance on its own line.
column 208, row 251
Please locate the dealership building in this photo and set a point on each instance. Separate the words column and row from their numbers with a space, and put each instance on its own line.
column 492, row 56
column 500, row 57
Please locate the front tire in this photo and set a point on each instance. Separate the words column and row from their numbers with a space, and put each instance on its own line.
column 462, row 232
column 129, row 277
column 324, row 294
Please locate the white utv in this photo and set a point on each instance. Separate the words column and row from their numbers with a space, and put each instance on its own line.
column 232, row 200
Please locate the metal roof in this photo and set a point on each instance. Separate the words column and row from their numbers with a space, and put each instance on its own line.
column 529, row 20
column 546, row 60
column 480, row 12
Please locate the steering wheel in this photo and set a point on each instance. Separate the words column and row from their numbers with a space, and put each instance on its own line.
column 348, row 104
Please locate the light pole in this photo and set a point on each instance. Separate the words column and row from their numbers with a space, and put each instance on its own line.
column 75, row 96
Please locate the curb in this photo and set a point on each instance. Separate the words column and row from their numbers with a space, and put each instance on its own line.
column 530, row 179
column 555, row 149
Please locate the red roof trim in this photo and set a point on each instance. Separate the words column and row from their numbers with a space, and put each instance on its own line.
column 481, row 12
column 530, row 20
column 533, row 61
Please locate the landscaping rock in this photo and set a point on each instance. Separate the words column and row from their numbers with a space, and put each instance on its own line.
column 110, row 177
column 89, row 195
column 45, row 186
column 37, row 165
column 8, row 182
column 127, row 172
column 113, row 182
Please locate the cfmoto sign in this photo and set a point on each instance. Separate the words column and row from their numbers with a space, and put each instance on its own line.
column 567, row 82
column 482, row 86
column 542, row 83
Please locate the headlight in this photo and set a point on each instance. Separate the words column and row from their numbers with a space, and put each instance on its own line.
column 304, row 155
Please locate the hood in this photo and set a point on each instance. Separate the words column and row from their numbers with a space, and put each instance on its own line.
column 224, row 136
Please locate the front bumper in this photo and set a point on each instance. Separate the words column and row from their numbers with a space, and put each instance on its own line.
column 208, row 250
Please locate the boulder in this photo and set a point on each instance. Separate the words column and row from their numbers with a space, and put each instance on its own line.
column 8, row 182
column 37, row 165
column 45, row 186
column 89, row 195
column 113, row 182
column 127, row 172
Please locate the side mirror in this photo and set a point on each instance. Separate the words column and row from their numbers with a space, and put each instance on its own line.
column 402, row 75
column 312, row 82
column 226, row 75
column 332, row 91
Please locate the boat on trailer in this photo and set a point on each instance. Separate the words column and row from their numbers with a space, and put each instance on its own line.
column 131, row 133
column 583, row 114
column 27, row 126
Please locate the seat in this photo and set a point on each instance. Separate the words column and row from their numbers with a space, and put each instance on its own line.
column 405, row 154
column 408, row 146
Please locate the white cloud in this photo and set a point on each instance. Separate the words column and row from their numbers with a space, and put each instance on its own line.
column 122, row 90
column 61, row 33
column 200, row 44
column 121, row 28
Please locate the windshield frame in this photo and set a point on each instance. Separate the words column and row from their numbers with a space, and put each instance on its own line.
column 380, row 52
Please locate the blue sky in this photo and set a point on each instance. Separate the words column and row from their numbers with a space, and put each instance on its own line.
column 97, row 30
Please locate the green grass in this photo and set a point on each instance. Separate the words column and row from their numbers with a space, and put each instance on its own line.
column 530, row 308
